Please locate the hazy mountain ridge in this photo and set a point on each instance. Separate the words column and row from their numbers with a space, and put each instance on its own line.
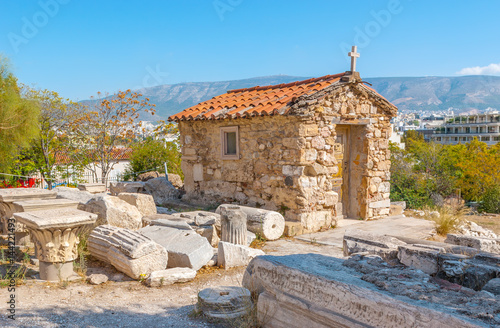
column 464, row 93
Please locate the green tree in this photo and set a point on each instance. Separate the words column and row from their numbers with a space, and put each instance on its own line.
column 56, row 115
column 151, row 154
column 18, row 117
column 108, row 125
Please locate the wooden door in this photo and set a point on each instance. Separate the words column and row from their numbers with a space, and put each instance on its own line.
column 341, row 179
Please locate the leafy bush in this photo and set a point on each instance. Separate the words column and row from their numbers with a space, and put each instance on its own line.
column 490, row 201
column 151, row 154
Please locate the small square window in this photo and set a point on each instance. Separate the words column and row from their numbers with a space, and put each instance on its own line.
column 230, row 142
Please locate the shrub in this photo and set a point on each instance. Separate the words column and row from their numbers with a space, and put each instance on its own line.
column 490, row 200
column 446, row 218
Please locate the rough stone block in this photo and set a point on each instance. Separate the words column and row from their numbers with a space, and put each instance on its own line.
column 420, row 258
column 144, row 203
column 116, row 188
column 480, row 243
column 170, row 276
column 232, row 255
column 293, row 229
column 357, row 241
column 93, row 188
column 114, row 211
column 73, row 194
column 185, row 248
column 137, row 268
column 493, row 286
column 210, row 233
column 162, row 190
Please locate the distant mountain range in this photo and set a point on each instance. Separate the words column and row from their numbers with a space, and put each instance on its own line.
column 463, row 93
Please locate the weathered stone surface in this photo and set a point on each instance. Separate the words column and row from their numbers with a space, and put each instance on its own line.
column 420, row 258
column 231, row 255
column 209, row 232
column 357, row 241
column 73, row 194
column 233, row 225
column 480, row 243
column 269, row 224
column 293, row 229
column 470, row 228
column 250, row 237
column 185, row 248
column 311, row 290
column 128, row 251
column 97, row 279
column 56, row 234
column 143, row 177
column 225, row 302
column 170, row 276
column 176, row 180
column 43, row 204
column 131, row 243
column 144, row 203
column 200, row 218
column 10, row 195
column 114, row 211
column 137, row 268
column 116, row 188
column 172, row 222
column 161, row 190
column 93, row 188
column 493, row 286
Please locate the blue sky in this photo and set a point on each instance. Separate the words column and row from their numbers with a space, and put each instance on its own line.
column 80, row 47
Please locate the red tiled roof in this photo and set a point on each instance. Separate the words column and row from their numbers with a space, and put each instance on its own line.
column 117, row 154
column 256, row 101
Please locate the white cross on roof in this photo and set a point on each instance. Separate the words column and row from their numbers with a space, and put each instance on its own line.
column 353, row 54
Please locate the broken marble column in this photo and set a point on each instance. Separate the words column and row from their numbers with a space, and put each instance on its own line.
column 233, row 225
column 128, row 251
column 268, row 224
column 225, row 302
column 56, row 236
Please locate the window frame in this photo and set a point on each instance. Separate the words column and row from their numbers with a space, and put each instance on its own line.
column 223, row 133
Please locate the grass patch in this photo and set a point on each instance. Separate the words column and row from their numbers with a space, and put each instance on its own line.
column 80, row 265
column 446, row 218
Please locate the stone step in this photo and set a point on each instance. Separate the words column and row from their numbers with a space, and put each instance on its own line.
column 43, row 204
column 19, row 194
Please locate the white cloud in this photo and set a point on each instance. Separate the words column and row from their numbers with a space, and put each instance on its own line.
column 491, row 69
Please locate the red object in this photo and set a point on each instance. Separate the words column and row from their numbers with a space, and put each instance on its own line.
column 30, row 183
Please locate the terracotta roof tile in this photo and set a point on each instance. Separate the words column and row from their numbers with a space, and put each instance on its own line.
column 258, row 100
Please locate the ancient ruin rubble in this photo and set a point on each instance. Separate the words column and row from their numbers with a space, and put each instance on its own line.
column 224, row 302
column 114, row 211
column 269, row 224
column 56, row 234
column 312, row 290
column 233, row 225
column 232, row 255
column 185, row 247
column 170, row 276
column 144, row 203
column 93, row 188
column 128, row 251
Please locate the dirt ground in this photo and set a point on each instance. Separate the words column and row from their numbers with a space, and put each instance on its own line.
column 488, row 221
column 122, row 302
column 128, row 303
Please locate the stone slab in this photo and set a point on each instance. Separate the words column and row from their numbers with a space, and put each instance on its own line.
column 60, row 218
column 92, row 187
column 232, row 255
column 42, row 204
column 10, row 195
column 312, row 290
column 170, row 276
column 116, row 188
column 480, row 243
column 420, row 258
column 185, row 248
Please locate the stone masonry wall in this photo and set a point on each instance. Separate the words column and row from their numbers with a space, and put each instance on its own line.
column 288, row 163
